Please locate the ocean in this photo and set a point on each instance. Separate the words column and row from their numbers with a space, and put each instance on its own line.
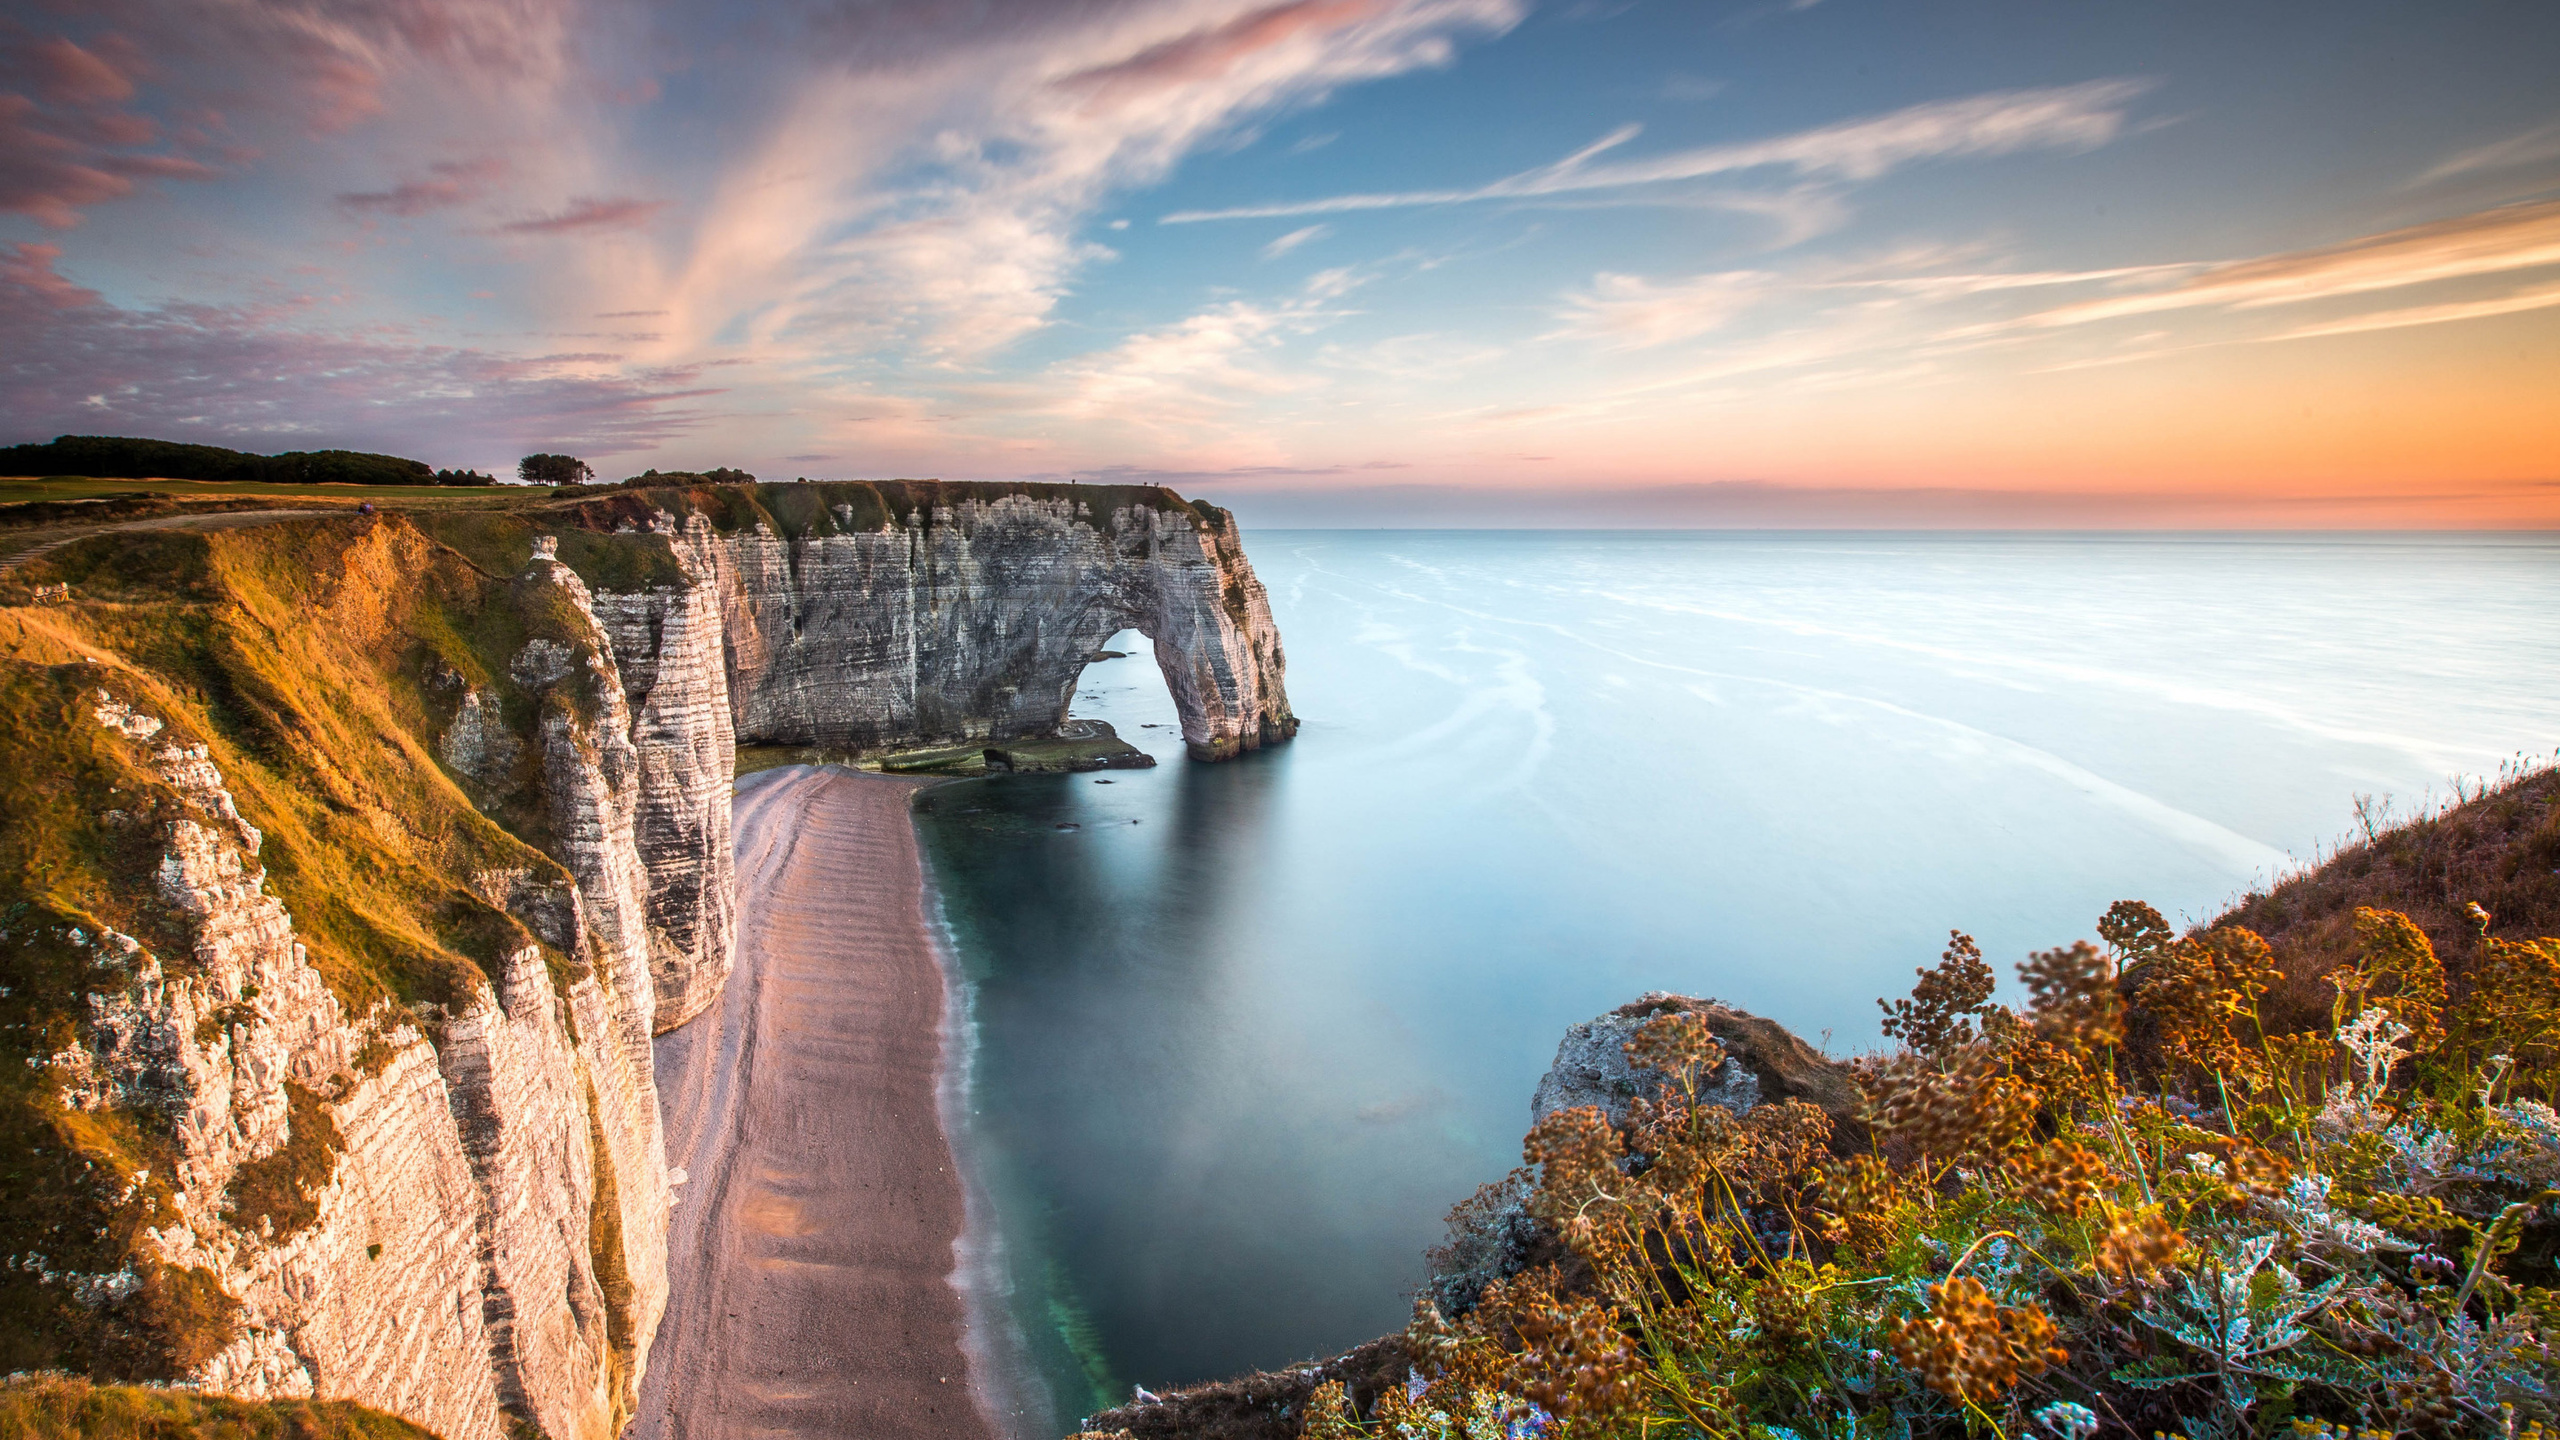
column 1237, row 1036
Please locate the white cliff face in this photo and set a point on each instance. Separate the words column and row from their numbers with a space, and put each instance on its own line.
column 449, row 1272
column 969, row 621
column 973, row 620
column 671, row 660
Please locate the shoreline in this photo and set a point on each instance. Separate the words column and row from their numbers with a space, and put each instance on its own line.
column 823, row 1218
column 1011, row 1394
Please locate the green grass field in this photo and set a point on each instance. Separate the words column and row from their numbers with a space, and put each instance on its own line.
column 17, row 488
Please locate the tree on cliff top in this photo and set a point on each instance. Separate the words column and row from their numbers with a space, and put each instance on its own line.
column 554, row 470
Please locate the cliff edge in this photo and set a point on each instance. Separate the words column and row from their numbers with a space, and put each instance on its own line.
column 352, row 861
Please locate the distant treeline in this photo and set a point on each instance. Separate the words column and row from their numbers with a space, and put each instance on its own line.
column 112, row 457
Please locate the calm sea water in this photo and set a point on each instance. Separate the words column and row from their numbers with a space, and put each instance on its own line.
column 1246, row 1032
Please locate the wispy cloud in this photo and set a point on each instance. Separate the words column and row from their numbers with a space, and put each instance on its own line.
column 238, row 375
column 1629, row 312
column 587, row 215
column 1186, row 376
column 2536, row 297
column 446, row 184
column 69, row 141
column 948, row 238
column 1294, row 239
column 2512, row 237
column 2071, row 117
column 2532, row 147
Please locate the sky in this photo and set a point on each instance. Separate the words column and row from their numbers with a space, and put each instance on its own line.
column 1400, row 262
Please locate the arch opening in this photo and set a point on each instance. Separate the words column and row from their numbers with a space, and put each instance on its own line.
column 1125, row 683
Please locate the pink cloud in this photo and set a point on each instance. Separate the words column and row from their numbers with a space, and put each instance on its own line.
column 586, row 214
column 70, row 150
column 1209, row 53
column 233, row 375
column 73, row 76
column 447, row 183
column 28, row 268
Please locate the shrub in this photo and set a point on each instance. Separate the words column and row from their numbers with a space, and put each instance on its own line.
column 2343, row 1229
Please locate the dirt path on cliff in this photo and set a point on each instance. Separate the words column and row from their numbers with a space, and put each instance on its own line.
column 31, row 544
column 811, row 1246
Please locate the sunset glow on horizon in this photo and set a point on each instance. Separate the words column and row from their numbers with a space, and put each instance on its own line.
column 1430, row 262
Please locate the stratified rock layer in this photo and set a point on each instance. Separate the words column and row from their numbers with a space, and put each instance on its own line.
column 448, row 1273
column 966, row 618
column 473, row 1226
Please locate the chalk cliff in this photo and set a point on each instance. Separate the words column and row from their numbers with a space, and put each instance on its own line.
column 866, row 618
column 425, row 1244
column 361, row 1104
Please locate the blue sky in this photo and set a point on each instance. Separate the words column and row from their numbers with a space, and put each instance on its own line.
column 1365, row 261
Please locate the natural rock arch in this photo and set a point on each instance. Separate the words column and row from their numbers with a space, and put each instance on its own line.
column 970, row 615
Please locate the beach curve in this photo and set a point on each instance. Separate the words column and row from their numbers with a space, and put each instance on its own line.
column 811, row 1250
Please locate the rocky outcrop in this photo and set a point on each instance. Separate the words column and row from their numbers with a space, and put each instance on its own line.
column 1493, row 1235
column 1764, row 1061
column 670, row 654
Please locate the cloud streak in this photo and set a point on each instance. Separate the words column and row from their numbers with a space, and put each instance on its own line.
column 2068, row 118
column 2511, row 237
column 587, row 216
column 1294, row 239
column 446, row 184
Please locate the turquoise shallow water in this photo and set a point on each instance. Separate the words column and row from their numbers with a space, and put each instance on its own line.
column 1234, row 1060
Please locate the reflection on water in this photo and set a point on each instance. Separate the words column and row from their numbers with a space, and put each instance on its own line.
column 1236, row 1058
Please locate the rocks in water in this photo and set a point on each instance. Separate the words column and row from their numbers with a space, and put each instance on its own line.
column 1088, row 745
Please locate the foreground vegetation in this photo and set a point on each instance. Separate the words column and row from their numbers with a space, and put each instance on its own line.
column 2156, row 1199
column 60, row 1407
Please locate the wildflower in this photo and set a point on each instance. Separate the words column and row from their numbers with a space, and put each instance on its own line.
column 2397, row 971
column 2139, row 1247
column 1969, row 1348
column 1577, row 1154
column 1575, row 1361
column 1329, row 1414
column 2374, row 1037
column 2195, row 989
column 1939, row 1018
column 2062, row 1175
column 2068, row 1420
column 2075, row 1003
column 1678, row 1044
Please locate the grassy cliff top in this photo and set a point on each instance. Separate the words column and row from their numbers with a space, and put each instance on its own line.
column 2499, row 851
column 494, row 526
column 55, row 1407
column 878, row 500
